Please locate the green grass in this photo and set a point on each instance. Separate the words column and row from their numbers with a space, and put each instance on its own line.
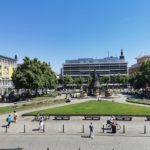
column 139, row 101
column 41, row 98
column 98, row 108
column 27, row 105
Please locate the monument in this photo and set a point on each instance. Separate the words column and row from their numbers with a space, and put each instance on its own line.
column 94, row 87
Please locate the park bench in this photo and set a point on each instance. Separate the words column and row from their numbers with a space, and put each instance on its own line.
column 148, row 118
column 62, row 118
column 92, row 117
column 40, row 117
column 106, row 128
column 124, row 118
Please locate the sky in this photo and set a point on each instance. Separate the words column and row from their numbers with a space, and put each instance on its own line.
column 57, row 30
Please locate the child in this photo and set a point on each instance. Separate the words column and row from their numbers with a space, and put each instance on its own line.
column 15, row 116
column 9, row 120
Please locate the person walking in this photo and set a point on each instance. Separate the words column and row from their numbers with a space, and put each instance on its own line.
column 91, row 127
column 41, row 125
column 9, row 120
column 15, row 116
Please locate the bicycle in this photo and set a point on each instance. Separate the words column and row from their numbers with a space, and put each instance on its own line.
column 118, row 126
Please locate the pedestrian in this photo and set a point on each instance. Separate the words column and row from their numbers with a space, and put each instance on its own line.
column 91, row 127
column 9, row 120
column 41, row 125
column 113, row 126
column 110, row 120
column 15, row 116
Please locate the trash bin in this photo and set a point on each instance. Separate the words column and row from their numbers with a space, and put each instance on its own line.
column 113, row 128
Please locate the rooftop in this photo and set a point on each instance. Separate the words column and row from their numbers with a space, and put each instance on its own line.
column 91, row 60
column 5, row 57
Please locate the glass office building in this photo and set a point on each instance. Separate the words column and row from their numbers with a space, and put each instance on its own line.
column 108, row 66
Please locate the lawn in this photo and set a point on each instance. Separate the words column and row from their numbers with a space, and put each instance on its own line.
column 139, row 101
column 39, row 98
column 96, row 108
column 27, row 105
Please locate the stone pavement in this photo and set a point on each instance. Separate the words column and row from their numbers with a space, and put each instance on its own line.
column 75, row 136
column 73, row 142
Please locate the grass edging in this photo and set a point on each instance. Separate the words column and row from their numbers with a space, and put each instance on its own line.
column 138, row 101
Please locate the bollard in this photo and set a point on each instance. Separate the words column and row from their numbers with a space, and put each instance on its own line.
column 144, row 129
column 24, row 128
column 83, row 128
column 48, row 148
column 43, row 128
column 103, row 128
column 6, row 129
column 63, row 128
column 124, row 129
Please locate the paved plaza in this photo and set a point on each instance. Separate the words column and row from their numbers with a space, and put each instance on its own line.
column 74, row 142
column 73, row 134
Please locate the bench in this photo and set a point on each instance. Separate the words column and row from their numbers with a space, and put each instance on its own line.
column 91, row 117
column 62, row 118
column 124, row 118
column 148, row 118
column 40, row 117
column 106, row 128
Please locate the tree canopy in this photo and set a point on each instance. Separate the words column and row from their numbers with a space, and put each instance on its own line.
column 142, row 78
column 33, row 74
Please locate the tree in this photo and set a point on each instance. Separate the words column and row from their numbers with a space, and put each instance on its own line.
column 145, row 72
column 142, row 78
column 33, row 75
column 113, row 79
column 105, row 79
column 89, row 80
column 68, row 80
column 79, row 81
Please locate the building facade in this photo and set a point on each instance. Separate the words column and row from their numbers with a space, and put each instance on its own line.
column 104, row 67
column 7, row 65
column 140, row 59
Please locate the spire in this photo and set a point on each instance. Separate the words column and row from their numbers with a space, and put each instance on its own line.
column 121, row 54
column 16, row 57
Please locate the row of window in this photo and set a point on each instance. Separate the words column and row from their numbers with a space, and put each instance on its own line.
column 95, row 65
column 91, row 69
column 7, row 61
column 5, row 83
column 99, row 73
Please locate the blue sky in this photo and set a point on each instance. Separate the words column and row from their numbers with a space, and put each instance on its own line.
column 56, row 30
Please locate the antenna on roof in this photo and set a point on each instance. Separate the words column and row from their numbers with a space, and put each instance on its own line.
column 108, row 53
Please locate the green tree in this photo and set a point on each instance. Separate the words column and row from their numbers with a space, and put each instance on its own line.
column 105, row 79
column 142, row 78
column 145, row 73
column 89, row 80
column 68, row 80
column 79, row 81
column 33, row 75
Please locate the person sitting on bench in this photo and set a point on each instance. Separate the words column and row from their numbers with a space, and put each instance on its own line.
column 110, row 120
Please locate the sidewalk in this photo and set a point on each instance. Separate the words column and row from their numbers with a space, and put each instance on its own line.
column 73, row 134
column 76, row 125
